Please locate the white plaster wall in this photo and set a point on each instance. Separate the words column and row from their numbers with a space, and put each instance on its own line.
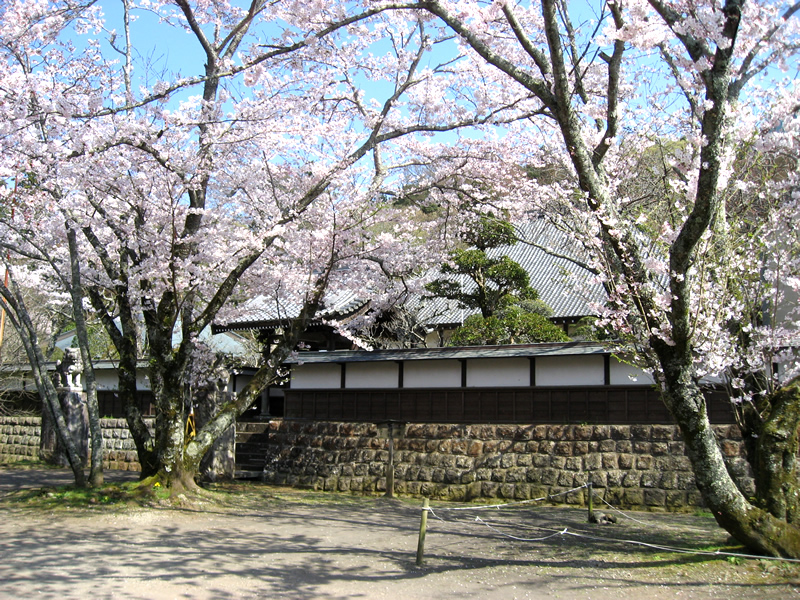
column 569, row 370
column 107, row 380
column 622, row 374
column 498, row 372
column 372, row 375
column 433, row 374
column 315, row 377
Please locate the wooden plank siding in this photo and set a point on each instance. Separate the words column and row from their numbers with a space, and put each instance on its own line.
column 594, row 405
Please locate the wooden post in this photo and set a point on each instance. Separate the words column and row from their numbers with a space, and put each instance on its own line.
column 590, row 501
column 390, row 466
column 423, row 526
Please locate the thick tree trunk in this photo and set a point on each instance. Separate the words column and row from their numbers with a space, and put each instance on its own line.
column 752, row 526
column 776, row 472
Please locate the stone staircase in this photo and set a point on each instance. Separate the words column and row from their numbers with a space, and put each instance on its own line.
column 251, row 448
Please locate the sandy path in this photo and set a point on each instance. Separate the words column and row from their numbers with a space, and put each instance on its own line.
column 277, row 545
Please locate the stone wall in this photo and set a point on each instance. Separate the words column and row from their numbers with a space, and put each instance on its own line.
column 119, row 451
column 20, row 439
column 632, row 466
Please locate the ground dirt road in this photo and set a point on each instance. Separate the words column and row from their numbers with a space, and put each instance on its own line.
column 266, row 542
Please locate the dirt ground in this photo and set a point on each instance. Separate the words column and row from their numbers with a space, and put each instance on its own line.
column 256, row 541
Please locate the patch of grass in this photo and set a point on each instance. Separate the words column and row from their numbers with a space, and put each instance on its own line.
column 69, row 497
column 28, row 464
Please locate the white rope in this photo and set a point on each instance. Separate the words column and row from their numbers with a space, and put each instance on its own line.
column 663, row 548
column 682, row 550
column 520, row 539
column 615, row 509
column 566, row 531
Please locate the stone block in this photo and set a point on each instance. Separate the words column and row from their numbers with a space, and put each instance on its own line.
column 516, row 474
column 677, row 449
column 592, row 462
column 508, row 460
column 659, row 448
column 675, row 499
column 475, row 448
column 451, row 476
column 566, row 479
column 414, row 488
column 506, row 432
column 524, row 460
column 633, row 497
column 483, row 474
column 549, row 476
column 464, row 462
column 575, row 498
column 541, row 461
column 490, row 461
column 650, row 479
column 522, row 491
column 624, row 447
column 508, row 490
column 459, row 446
column 730, row 448
column 599, row 479
column 519, row 447
column 539, row 432
column 473, row 490
column 620, row 432
column 609, row 460
column 632, row 479
column 425, row 474
column 655, row 497
column 625, row 461
column 662, row 432
column 490, row 489
column 533, row 475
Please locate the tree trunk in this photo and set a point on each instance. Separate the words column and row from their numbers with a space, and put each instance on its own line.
column 752, row 526
column 775, row 468
column 93, row 412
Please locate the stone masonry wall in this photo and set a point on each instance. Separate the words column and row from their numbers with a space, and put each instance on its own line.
column 632, row 466
column 20, row 439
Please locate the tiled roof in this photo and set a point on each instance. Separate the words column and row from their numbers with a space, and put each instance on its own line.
column 453, row 353
column 262, row 311
column 551, row 258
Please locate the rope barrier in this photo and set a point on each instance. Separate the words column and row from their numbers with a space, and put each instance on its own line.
column 615, row 509
column 566, row 532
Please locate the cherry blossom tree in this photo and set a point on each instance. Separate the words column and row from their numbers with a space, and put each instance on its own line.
column 272, row 172
column 703, row 282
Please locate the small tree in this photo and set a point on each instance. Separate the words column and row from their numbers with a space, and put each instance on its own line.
column 492, row 281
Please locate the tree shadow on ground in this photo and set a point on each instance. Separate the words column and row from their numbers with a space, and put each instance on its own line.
column 316, row 550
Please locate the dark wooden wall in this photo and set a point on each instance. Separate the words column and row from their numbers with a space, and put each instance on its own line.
column 594, row 405
column 110, row 404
